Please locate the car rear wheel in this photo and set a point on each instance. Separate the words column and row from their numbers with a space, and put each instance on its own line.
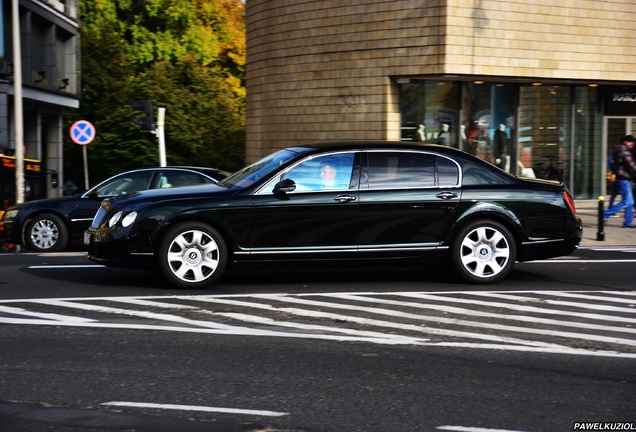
column 46, row 233
column 192, row 255
column 483, row 252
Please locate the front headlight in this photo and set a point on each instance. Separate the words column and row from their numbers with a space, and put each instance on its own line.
column 114, row 219
column 10, row 214
column 128, row 219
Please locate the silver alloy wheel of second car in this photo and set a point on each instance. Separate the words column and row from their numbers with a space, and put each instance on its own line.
column 193, row 255
column 485, row 252
column 46, row 233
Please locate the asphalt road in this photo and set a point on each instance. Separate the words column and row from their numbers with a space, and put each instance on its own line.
column 90, row 349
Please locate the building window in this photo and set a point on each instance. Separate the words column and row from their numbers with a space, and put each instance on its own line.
column 430, row 112
column 488, row 123
column 544, row 130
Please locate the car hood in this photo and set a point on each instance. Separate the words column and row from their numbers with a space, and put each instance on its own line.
column 45, row 202
column 152, row 195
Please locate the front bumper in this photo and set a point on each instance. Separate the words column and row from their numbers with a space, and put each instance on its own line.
column 105, row 249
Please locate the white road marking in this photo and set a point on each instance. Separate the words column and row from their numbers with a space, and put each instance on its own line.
column 465, row 311
column 574, row 261
column 377, row 323
column 402, row 324
column 472, row 429
column 631, row 302
column 49, row 316
column 521, row 308
column 68, row 266
column 311, row 327
column 455, row 321
column 150, row 303
column 196, row 408
column 594, row 306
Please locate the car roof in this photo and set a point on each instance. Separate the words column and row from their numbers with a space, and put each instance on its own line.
column 190, row 167
column 356, row 145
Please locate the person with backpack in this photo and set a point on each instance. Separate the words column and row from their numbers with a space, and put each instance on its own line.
column 625, row 168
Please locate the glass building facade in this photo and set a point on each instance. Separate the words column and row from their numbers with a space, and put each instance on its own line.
column 535, row 130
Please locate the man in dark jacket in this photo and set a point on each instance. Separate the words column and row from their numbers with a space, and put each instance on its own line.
column 625, row 172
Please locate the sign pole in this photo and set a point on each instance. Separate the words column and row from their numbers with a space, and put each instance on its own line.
column 86, row 184
column 83, row 132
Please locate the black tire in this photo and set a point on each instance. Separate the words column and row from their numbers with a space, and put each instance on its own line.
column 483, row 252
column 46, row 233
column 192, row 255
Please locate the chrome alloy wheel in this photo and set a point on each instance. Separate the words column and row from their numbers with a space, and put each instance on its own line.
column 44, row 234
column 193, row 256
column 485, row 252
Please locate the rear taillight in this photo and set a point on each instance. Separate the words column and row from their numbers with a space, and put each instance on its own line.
column 569, row 201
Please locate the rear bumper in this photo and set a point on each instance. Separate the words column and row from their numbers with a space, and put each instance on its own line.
column 549, row 248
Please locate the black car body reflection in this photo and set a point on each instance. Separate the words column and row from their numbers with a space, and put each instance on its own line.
column 337, row 201
column 53, row 224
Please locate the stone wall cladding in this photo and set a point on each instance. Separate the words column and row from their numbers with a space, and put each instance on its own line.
column 325, row 69
column 583, row 40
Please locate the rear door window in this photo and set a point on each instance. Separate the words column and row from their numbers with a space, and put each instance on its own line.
column 392, row 170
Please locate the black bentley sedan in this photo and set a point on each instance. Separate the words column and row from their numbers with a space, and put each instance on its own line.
column 53, row 224
column 341, row 201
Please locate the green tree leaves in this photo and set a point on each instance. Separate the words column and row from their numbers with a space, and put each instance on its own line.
column 187, row 56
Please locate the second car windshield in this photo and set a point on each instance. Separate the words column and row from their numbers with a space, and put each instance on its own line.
column 259, row 170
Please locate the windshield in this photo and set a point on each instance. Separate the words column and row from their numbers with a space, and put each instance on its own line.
column 255, row 172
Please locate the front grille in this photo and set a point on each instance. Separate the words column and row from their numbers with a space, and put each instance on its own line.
column 99, row 216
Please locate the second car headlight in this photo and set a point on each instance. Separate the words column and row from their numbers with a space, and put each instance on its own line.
column 10, row 214
column 128, row 219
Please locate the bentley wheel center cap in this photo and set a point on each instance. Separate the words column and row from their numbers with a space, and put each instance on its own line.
column 484, row 252
column 192, row 256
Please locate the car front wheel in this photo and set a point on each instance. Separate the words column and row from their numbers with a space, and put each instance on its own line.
column 192, row 255
column 483, row 252
column 46, row 233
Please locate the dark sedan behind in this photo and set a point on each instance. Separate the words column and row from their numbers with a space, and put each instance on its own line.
column 53, row 224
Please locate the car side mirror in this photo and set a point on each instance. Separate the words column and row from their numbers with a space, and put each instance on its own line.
column 282, row 187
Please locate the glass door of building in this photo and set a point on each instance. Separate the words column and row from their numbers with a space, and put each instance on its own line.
column 615, row 130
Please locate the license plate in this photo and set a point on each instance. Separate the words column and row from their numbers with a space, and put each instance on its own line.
column 87, row 238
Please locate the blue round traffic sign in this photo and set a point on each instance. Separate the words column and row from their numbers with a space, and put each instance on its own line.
column 82, row 132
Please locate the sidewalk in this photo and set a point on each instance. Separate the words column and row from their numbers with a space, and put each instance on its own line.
column 615, row 234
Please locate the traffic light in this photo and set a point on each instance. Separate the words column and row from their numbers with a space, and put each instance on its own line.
column 146, row 122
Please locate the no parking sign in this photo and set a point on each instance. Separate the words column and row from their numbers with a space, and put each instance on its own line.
column 82, row 132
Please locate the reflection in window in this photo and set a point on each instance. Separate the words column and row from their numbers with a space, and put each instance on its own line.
column 488, row 124
column 173, row 178
column 448, row 172
column 404, row 170
column 126, row 184
column 544, row 130
column 329, row 172
column 430, row 112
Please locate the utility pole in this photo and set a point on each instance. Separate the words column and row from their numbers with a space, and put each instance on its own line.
column 17, row 99
column 161, row 115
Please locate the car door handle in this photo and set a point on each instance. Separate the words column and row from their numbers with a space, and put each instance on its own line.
column 446, row 195
column 344, row 198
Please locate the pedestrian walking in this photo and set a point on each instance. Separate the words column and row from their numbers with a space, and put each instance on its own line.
column 625, row 172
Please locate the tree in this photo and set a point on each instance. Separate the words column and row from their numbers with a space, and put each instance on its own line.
column 187, row 56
